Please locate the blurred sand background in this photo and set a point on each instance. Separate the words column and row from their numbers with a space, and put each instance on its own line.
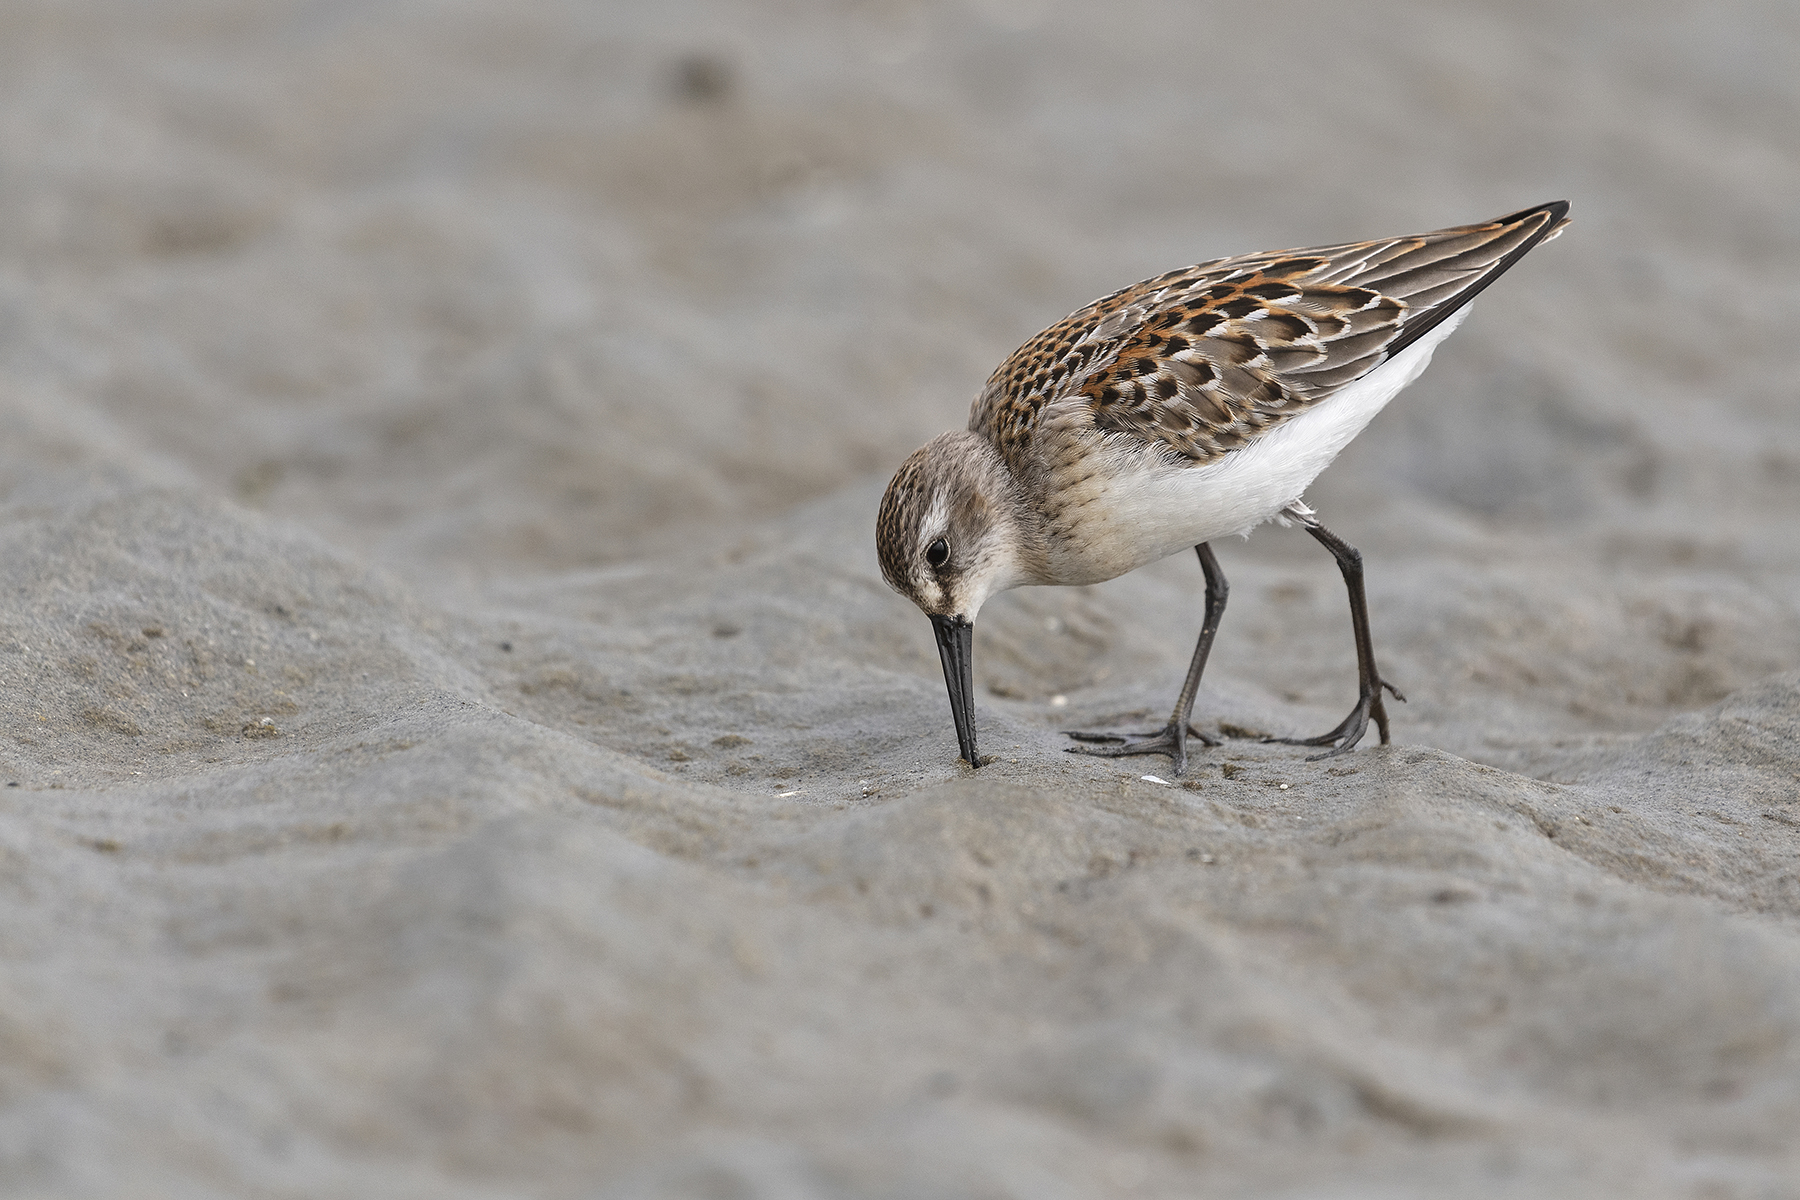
column 455, row 742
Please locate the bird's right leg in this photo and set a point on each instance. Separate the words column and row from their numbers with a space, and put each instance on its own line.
column 1172, row 738
column 1369, row 681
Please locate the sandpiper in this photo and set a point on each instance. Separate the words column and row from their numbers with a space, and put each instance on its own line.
column 1194, row 405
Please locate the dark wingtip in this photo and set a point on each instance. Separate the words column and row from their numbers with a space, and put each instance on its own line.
column 1553, row 214
column 1557, row 209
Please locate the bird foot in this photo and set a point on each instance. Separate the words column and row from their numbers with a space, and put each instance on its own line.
column 1350, row 730
column 1171, row 740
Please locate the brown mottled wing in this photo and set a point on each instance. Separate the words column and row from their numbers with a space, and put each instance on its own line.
column 1203, row 359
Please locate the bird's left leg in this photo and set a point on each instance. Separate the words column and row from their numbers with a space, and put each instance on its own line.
column 1172, row 738
column 1370, row 683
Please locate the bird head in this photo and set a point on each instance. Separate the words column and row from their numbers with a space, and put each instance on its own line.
column 951, row 532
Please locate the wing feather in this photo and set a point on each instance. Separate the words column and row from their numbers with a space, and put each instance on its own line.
column 1198, row 361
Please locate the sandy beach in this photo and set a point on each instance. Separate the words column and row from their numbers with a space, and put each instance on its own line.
column 455, row 740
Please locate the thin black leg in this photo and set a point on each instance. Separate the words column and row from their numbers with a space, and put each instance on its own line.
column 1172, row 738
column 1369, row 681
column 1217, row 592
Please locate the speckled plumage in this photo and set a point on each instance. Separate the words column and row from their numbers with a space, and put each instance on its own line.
column 1187, row 407
column 1203, row 359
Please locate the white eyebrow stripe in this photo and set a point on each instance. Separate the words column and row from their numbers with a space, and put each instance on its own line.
column 937, row 520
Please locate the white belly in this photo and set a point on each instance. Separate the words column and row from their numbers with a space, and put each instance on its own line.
column 1143, row 509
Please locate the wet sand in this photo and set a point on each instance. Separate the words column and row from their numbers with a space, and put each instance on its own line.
column 455, row 740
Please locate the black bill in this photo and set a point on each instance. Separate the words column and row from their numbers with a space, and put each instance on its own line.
column 956, row 646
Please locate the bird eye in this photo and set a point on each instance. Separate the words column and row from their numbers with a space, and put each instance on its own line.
column 938, row 553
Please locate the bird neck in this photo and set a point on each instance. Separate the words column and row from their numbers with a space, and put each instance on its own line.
column 1025, row 533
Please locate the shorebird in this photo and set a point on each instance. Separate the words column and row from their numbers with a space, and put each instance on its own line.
column 1179, row 410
